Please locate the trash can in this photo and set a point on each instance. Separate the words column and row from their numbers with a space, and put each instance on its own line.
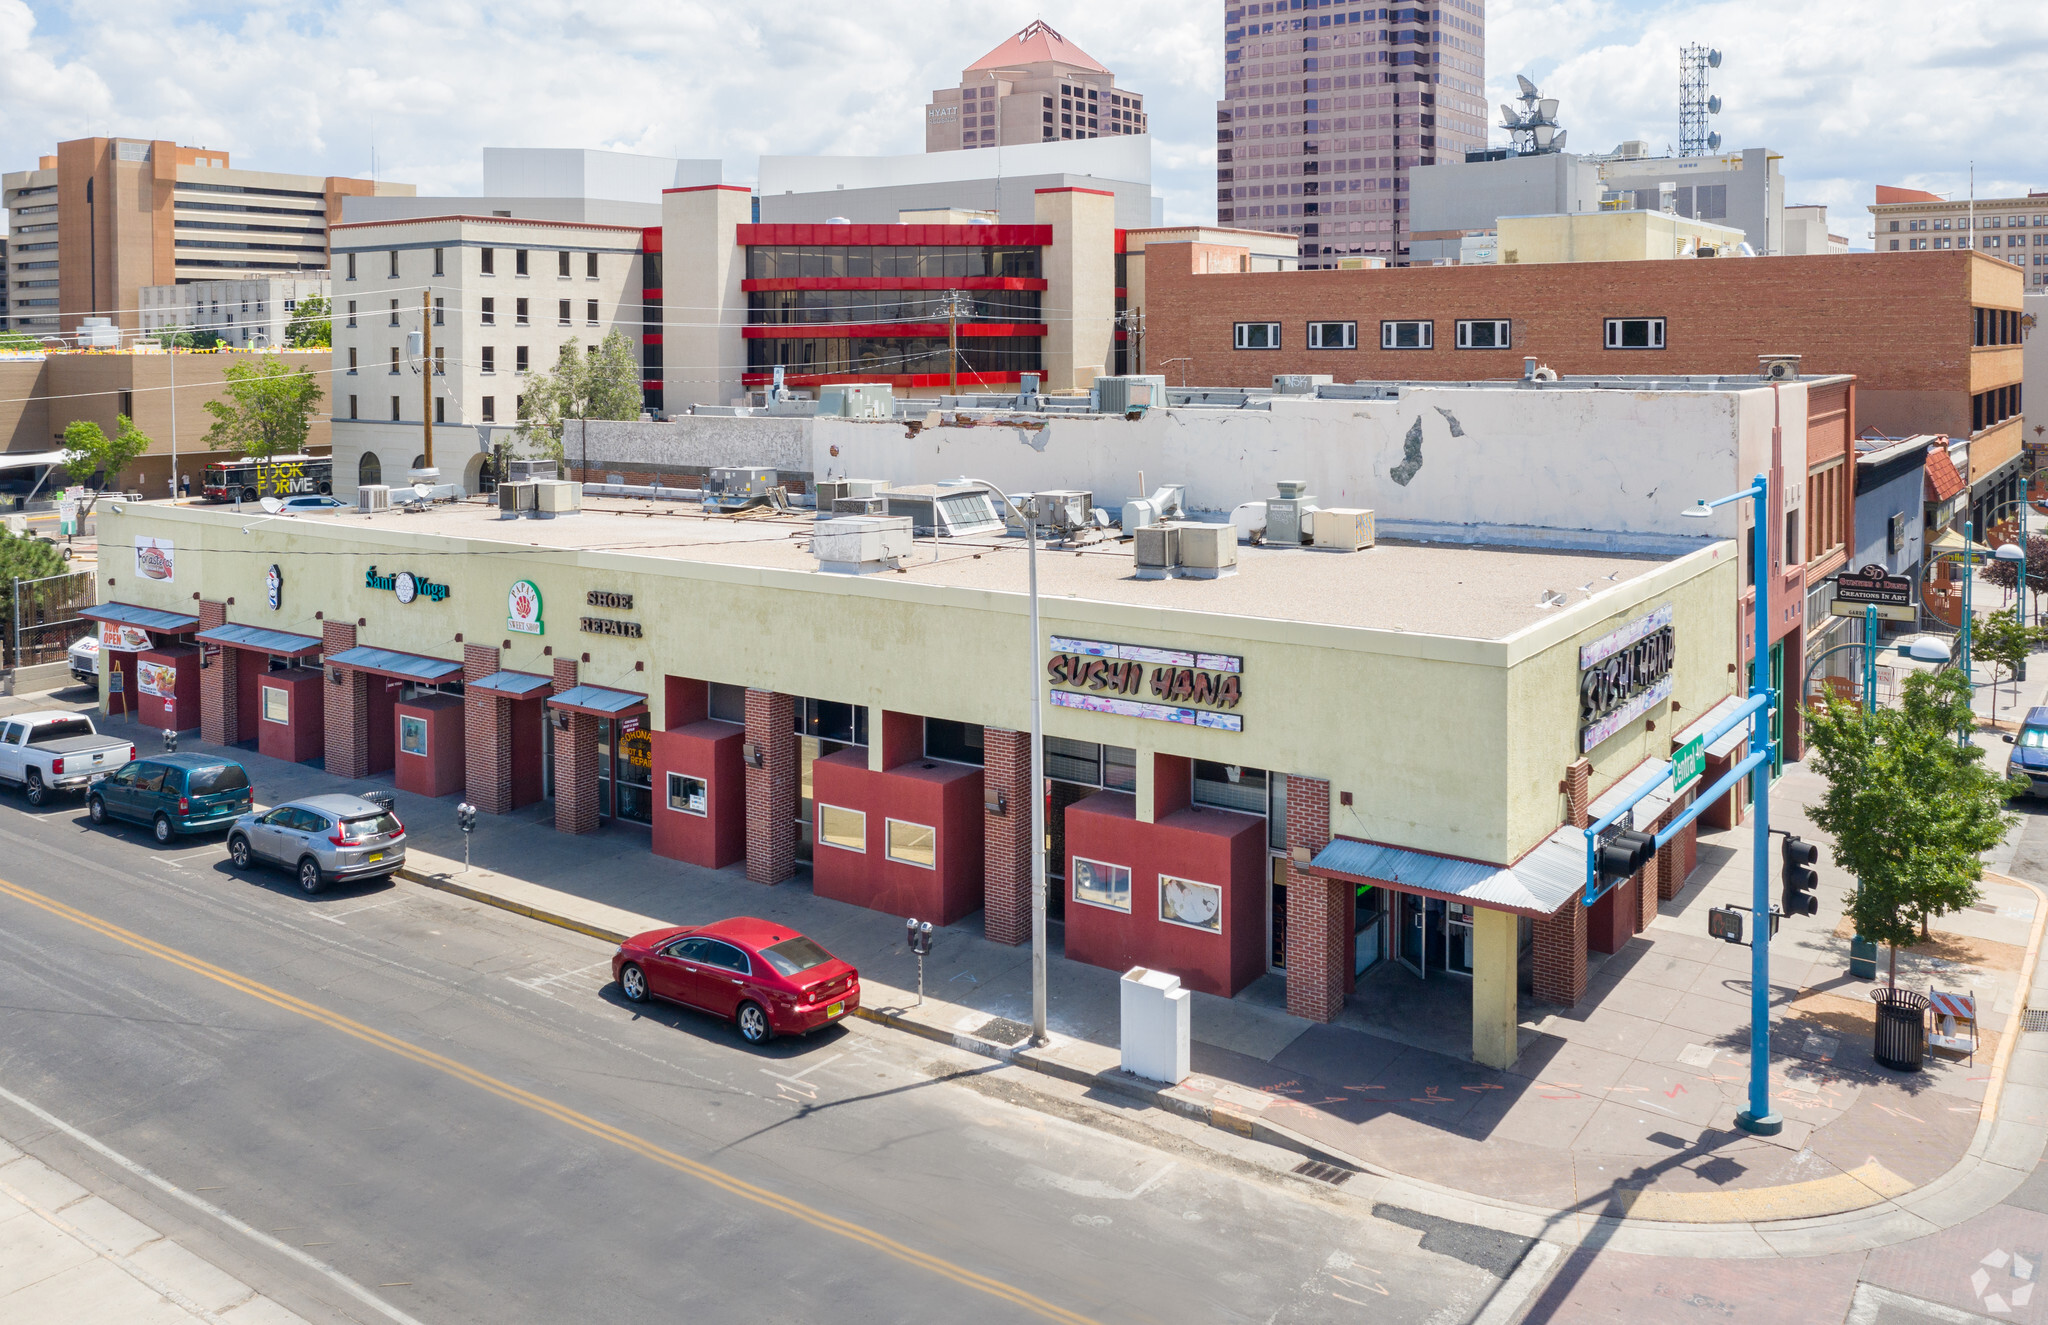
column 385, row 801
column 1901, row 1028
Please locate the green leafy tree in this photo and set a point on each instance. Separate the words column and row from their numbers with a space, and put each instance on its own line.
column 601, row 384
column 88, row 451
column 2005, row 574
column 16, row 340
column 267, row 409
column 312, row 324
column 179, row 338
column 25, row 558
column 2002, row 641
column 1910, row 808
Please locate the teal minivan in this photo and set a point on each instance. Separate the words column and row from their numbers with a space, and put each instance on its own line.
column 173, row 794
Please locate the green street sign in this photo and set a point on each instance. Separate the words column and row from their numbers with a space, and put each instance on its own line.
column 1689, row 763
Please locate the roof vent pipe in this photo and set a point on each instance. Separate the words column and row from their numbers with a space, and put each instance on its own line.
column 1529, row 368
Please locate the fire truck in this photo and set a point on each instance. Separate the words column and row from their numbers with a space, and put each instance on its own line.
column 278, row 476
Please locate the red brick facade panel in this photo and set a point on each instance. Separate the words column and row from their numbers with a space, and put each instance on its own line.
column 771, row 787
column 1558, row 960
column 1006, row 836
column 575, row 771
column 1319, row 911
column 487, row 735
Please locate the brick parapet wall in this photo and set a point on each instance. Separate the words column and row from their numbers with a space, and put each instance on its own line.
column 1006, row 836
column 772, row 787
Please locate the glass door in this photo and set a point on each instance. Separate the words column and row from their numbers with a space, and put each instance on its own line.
column 1276, row 913
column 1458, row 938
column 1414, row 949
column 547, row 754
column 604, row 768
column 633, row 782
column 1778, row 713
column 1368, row 924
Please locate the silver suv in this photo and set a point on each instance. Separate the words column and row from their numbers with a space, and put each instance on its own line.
column 324, row 839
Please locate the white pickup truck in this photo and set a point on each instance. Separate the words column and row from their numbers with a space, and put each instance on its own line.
column 56, row 751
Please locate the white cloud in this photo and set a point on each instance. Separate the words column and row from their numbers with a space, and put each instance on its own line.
column 1853, row 94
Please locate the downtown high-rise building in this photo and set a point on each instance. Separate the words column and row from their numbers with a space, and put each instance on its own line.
column 1327, row 105
column 1037, row 87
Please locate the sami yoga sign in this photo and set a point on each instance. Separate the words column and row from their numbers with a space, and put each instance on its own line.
column 1182, row 686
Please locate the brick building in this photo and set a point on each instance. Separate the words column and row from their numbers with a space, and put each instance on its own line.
column 1916, row 221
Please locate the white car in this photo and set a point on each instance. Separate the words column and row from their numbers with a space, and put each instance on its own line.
column 310, row 504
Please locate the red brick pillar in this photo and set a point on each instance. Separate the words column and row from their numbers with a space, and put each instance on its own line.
column 1319, row 911
column 1558, row 962
column 1652, row 880
column 1671, row 856
column 347, row 706
column 771, row 787
column 1006, row 836
column 487, row 735
column 219, row 716
column 575, row 760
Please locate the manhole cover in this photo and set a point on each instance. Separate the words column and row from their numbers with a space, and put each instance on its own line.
column 1003, row 1031
column 1318, row 1171
column 2034, row 1019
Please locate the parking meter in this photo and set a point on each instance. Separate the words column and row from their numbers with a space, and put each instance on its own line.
column 465, row 819
column 919, row 935
column 170, row 741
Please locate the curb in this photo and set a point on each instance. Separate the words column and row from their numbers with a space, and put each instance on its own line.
column 506, row 904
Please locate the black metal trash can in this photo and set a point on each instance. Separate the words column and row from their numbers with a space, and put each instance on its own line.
column 384, row 799
column 1901, row 1028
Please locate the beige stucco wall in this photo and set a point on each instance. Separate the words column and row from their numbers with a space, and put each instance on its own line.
column 1621, row 236
column 1447, row 744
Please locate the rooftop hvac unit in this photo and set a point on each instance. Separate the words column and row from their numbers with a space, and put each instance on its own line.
column 860, row 545
column 1778, row 367
column 858, row 506
column 736, row 488
column 1299, row 384
column 1167, row 502
column 857, row 400
column 515, row 500
column 373, row 497
column 1129, row 394
column 1065, row 511
column 943, row 510
column 553, row 497
column 1154, row 550
column 1288, row 515
column 525, row 471
column 830, row 490
column 1343, row 529
column 1207, row 551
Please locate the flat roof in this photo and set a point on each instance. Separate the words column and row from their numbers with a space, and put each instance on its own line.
column 1445, row 589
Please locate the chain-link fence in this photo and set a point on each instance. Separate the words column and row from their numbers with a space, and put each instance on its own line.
column 43, row 617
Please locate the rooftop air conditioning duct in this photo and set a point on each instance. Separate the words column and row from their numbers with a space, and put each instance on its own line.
column 373, row 497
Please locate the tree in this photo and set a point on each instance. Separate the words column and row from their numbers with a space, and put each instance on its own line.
column 178, row 338
column 312, row 324
column 25, row 558
column 89, row 451
column 1910, row 808
column 601, row 384
column 267, row 410
column 2000, row 639
column 18, row 341
column 2004, row 574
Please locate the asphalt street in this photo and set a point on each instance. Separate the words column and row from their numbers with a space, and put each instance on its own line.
column 387, row 1103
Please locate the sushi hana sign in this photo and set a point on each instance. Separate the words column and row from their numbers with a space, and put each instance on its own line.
column 1623, row 675
column 1135, row 681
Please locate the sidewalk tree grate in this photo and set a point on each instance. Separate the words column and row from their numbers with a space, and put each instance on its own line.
column 1003, row 1031
column 2034, row 1019
column 1316, row 1170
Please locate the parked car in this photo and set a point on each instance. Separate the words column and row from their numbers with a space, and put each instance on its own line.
column 764, row 977
column 322, row 839
column 173, row 794
column 315, row 505
column 2029, row 757
column 84, row 658
column 56, row 751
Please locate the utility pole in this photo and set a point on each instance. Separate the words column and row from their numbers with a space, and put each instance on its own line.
column 1132, row 323
column 427, row 371
column 952, row 311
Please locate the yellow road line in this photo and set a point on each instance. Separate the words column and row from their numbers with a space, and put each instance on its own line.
column 559, row 1112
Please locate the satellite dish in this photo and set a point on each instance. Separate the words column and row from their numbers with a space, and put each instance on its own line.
column 422, row 490
column 1547, row 108
column 1509, row 117
column 271, row 505
column 1713, row 142
column 1528, row 88
column 1713, row 105
column 1557, row 143
column 1713, row 59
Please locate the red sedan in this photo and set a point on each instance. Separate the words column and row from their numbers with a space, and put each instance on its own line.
column 766, row 978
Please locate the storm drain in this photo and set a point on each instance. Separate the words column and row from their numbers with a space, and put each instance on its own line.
column 2034, row 1019
column 1317, row 1171
column 1003, row 1031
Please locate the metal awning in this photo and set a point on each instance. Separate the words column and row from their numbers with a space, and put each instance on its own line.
column 1651, row 772
column 390, row 662
column 282, row 643
column 147, row 618
column 599, row 702
column 1536, row 885
column 516, row 685
column 1731, row 740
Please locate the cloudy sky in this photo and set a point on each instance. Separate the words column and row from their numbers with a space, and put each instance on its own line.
column 1852, row 93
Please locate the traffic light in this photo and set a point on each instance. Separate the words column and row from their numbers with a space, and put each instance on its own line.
column 1623, row 855
column 1798, row 877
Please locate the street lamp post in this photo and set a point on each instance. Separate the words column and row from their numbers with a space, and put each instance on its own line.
column 1758, row 1118
column 1027, row 515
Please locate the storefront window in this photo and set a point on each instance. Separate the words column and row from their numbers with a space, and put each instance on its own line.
column 913, row 844
column 277, row 704
column 1276, row 811
column 688, row 794
column 1230, row 787
column 1100, row 884
column 845, row 829
column 635, row 794
column 1195, row 905
column 955, row 742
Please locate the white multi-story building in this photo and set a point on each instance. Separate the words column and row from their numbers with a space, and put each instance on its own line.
column 504, row 295
column 251, row 310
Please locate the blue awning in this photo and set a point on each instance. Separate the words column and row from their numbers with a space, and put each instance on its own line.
column 517, row 685
column 148, row 618
column 280, row 642
column 598, row 702
column 390, row 662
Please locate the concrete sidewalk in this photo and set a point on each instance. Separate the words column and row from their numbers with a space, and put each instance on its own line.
column 68, row 1256
column 1615, row 1123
